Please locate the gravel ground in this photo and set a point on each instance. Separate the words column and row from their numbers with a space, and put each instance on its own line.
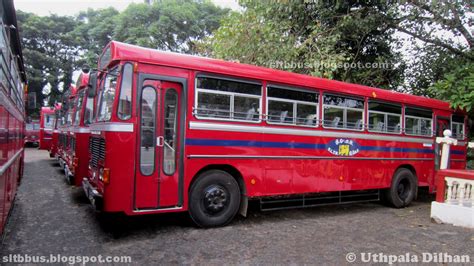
column 51, row 217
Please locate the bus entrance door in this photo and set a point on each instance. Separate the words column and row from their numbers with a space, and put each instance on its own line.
column 156, row 177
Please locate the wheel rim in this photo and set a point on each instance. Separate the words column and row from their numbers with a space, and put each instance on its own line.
column 215, row 199
column 403, row 188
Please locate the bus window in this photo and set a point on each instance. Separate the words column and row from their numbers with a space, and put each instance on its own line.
column 418, row 122
column 80, row 99
column 170, row 123
column 292, row 106
column 107, row 96
column 148, row 130
column 125, row 99
column 343, row 112
column 457, row 125
column 88, row 112
column 227, row 99
column 385, row 117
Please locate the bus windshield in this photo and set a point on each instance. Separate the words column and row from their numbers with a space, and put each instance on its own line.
column 107, row 95
column 80, row 100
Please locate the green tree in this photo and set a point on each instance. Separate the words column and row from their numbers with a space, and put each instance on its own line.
column 50, row 53
column 168, row 25
column 441, row 53
column 317, row 38
column 94, row 31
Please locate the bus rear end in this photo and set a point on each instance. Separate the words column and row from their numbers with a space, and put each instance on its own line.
column 32, row 131
column 46, row 128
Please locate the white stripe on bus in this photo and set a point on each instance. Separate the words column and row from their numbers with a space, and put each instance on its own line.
column 112, row 126
column 301, row 132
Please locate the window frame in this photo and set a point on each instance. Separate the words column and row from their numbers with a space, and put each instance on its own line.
column 419, row 119
column 123, row 67
column 89, row 100
column 176, row 127
column 78, row 109
column 344, row 112
column 231, row 94
column 294, row 103
column 155, row 124
column 99, row 118
column 386, row 114
column 463, row 127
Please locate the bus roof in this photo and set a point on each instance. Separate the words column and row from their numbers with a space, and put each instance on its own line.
column 122, row 51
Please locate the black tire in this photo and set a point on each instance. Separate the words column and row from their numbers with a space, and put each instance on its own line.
column 403, row 189
column 214, row 199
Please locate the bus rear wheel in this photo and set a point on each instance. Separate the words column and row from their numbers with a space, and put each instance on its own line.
column 214, row 199
column 403, row 189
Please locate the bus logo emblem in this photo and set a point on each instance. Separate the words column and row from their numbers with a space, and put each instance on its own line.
column 343, row 147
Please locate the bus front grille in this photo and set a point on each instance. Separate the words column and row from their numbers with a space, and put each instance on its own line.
column 96, row 150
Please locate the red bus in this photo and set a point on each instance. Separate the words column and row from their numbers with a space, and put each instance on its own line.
column 46, row 127
column 12, row 117
column 53, row 148
column 32, row 133
column 77, row 156
column 177, row 133
column 64, row 127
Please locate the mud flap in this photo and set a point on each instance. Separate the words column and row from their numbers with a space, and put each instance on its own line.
column 244, row 203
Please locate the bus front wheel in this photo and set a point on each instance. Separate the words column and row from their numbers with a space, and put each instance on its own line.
column 214, row 199
column 403, row 189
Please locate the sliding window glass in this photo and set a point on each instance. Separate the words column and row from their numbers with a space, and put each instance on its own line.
column 292, row 106
column 343, row 112
column 418, row 121
column 385, row 117
column 227, row 99
column 457, row 126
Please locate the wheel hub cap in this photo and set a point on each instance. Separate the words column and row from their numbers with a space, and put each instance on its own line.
column 215, row 199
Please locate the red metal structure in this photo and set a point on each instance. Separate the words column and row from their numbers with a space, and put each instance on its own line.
column 32, row 133
column 77, row 156
column 47, row 118
column 183, row 133
column 12, row 118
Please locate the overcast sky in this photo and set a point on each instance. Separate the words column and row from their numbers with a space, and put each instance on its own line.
column 72, row 7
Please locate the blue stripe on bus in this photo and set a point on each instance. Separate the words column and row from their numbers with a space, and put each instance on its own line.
column 457, row 152
column 394, row 149
column 267, row 144
column 251, row 143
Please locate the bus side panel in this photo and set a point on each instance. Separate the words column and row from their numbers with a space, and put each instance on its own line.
column 282, row 172
column 3, row 161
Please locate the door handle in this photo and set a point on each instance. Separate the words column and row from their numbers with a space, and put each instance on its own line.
column 159, row 141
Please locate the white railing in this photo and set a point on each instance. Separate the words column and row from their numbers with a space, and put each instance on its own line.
column 454, row 190
column 459, row 191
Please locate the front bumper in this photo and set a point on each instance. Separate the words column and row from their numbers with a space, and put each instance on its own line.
column 93, row 195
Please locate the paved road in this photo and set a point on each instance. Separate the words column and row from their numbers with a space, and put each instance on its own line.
column 51, row 217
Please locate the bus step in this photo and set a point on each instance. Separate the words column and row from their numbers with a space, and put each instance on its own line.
column 305, row 201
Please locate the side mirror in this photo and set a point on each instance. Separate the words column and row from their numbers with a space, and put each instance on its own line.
column 92, row 86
